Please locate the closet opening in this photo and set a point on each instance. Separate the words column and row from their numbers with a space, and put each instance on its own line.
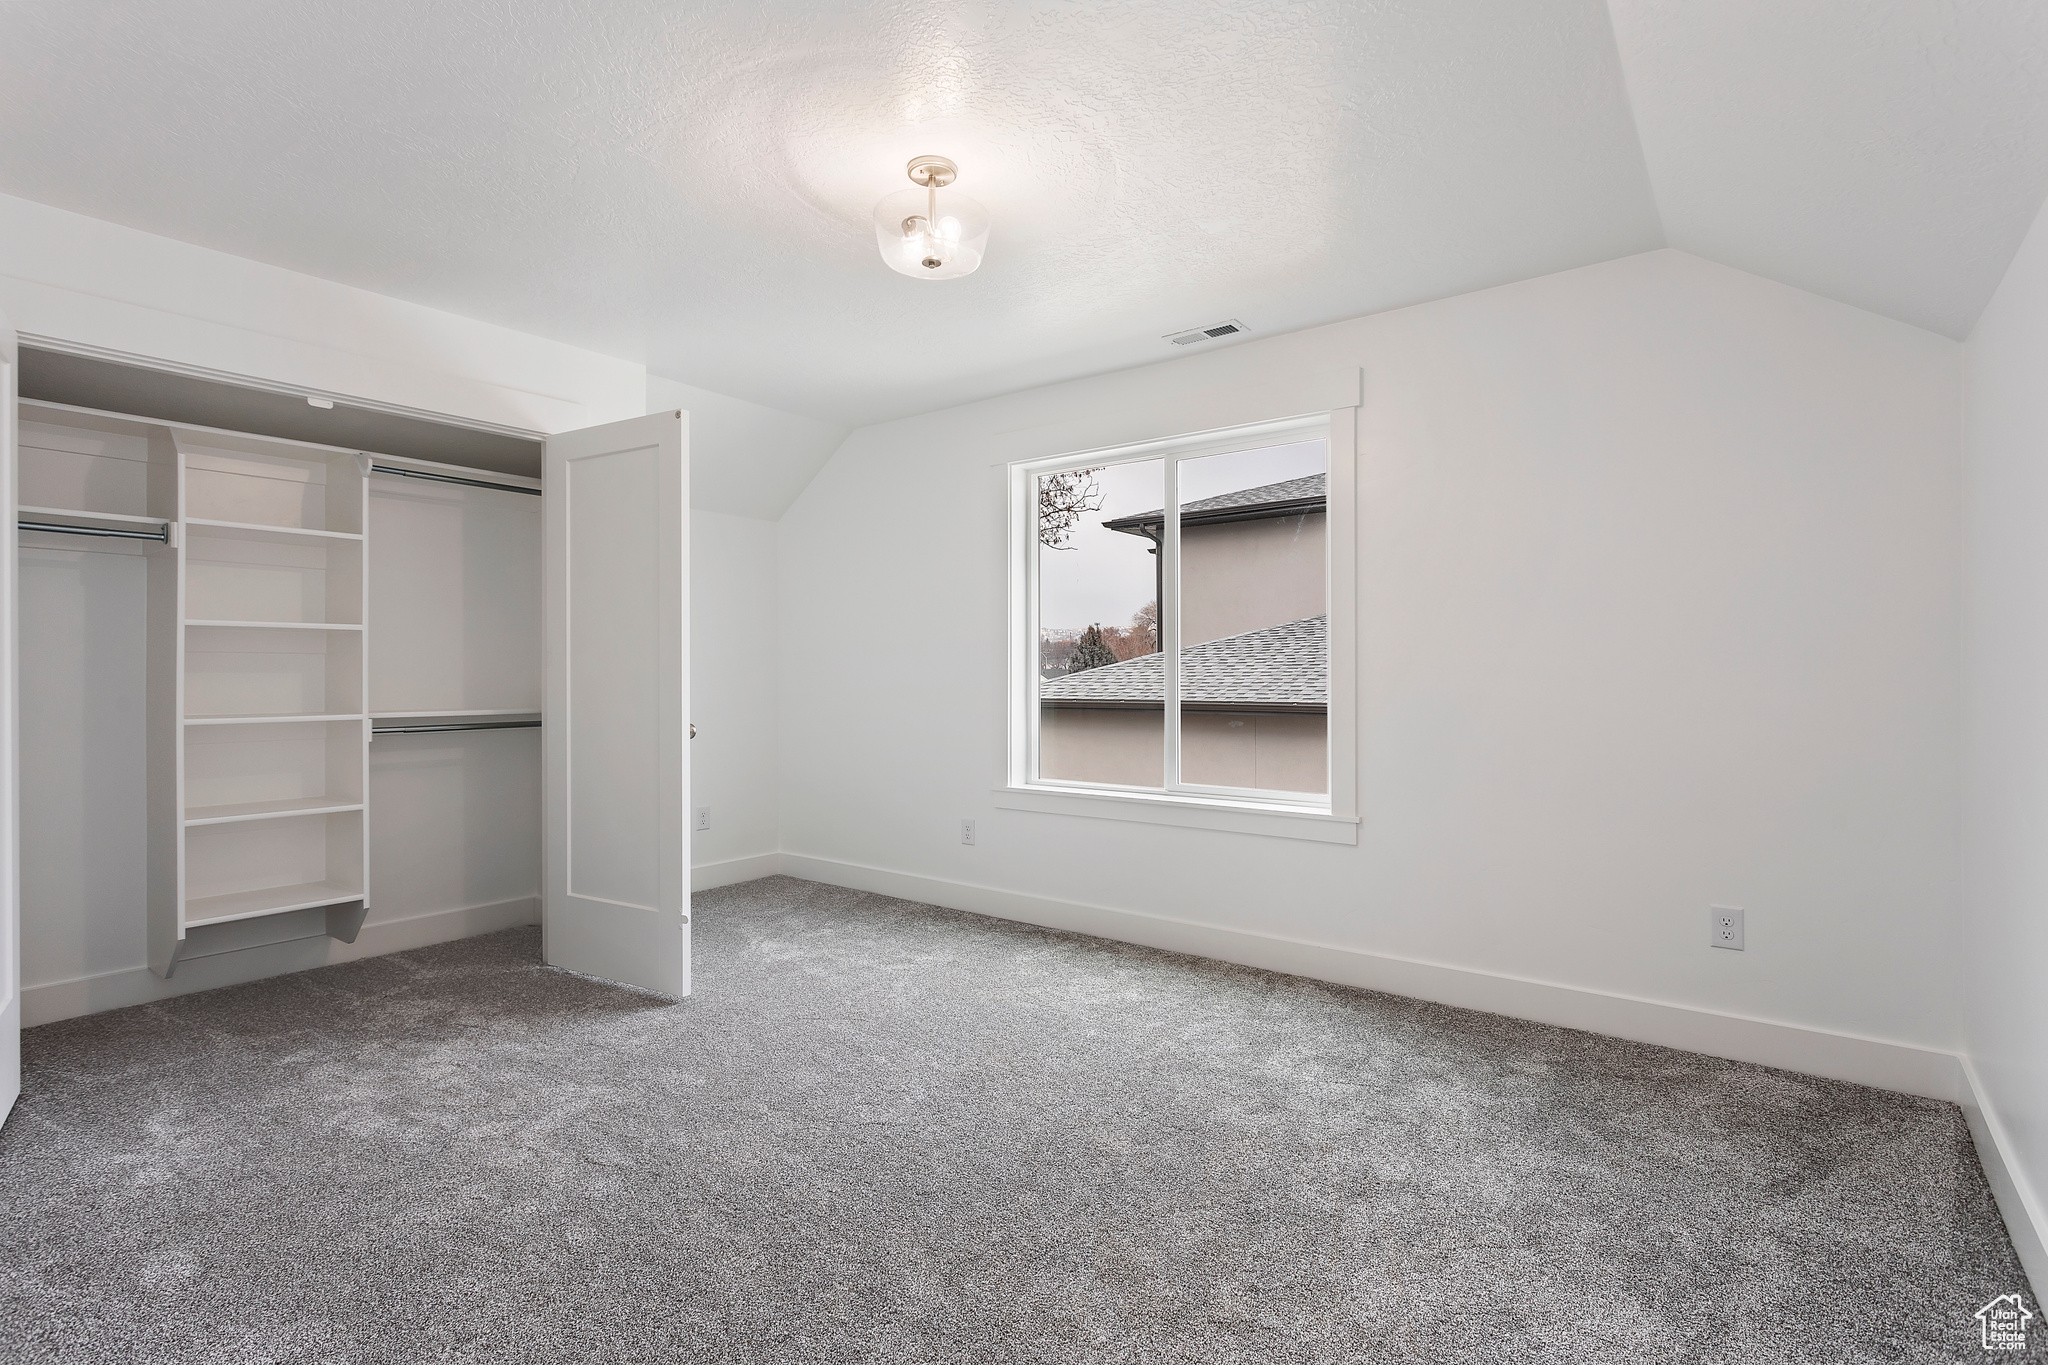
column 280, row 670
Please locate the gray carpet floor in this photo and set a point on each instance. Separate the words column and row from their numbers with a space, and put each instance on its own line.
column 886, row 1132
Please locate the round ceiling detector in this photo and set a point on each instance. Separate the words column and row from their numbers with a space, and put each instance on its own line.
column 928, row 236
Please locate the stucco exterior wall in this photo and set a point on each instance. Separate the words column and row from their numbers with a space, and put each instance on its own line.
column 1237, row 576
column 1263, row 752
column 1124, row 747
column 1273, row 753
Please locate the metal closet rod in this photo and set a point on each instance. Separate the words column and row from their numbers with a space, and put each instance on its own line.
column 462, row 725
column 450, row 478
column 162, row 533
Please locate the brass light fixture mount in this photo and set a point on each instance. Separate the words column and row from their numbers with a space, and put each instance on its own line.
column 931, row 172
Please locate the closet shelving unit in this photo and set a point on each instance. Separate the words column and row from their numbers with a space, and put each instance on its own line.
column 257, row 728
column 260, row 684
column 273, row 728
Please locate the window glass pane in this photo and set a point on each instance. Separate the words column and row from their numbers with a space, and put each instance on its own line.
column 1254, row 620
column 1101, row 691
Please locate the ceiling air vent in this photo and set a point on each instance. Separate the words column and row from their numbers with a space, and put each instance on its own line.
column 1195, row 334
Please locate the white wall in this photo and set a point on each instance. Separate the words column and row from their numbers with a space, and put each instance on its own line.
column 2005, row 673
column 732, row 693
column 1658, row 610
column 97, row 284
column 83, row 873
column 745, row 460
column 746, row 463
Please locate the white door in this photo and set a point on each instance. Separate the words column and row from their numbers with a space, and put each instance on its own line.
column 10, row 725
column 616, row 781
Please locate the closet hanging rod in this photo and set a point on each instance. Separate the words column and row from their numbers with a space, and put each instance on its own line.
column 162, row 533
column 453, row 725
column 450, row 478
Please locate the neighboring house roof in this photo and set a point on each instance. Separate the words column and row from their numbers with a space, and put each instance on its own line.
column 1289, row 498
column 1280, row 668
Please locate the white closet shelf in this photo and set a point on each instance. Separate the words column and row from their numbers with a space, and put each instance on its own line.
column 269, row 535
column 93, row 518
column 271, row 900
column 436, row 715
column 268, row 810
column 268, row 720
column 270, row 625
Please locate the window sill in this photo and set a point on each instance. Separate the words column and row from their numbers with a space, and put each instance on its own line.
column 1188, row 812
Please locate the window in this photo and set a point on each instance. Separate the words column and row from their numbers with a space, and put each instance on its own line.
column 1172, row 634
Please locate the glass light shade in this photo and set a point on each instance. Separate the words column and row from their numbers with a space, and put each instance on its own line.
column 911, row 247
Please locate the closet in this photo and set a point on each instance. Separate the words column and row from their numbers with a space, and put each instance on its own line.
column 265, row 694
column 277, row 693
column 270, row 688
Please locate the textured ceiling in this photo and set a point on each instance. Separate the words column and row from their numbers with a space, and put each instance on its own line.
column 691, row 185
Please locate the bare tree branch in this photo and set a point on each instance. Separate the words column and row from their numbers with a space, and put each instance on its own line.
column 1063, row 499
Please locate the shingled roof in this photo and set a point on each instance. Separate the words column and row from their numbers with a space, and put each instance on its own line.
column 1290, row 497
column 1279, row 668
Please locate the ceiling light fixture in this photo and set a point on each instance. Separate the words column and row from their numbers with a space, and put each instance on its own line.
column 921, row 240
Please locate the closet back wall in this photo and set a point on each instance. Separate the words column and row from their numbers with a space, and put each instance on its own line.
column 84, row 885
column 455, row 586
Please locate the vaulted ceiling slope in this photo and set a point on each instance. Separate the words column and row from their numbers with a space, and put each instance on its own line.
column 1888, row 153
column 690, row 185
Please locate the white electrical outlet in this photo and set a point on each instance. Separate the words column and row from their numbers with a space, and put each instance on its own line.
column 703, row 817
column 966, row 831
column 1726, row 927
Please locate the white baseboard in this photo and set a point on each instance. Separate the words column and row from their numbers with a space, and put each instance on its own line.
column 704, row 876
column 1816, row 1052
column 48, row 1001
column 2025, row 1218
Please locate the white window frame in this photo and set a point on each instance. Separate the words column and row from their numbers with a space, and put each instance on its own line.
column 1287, row 815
